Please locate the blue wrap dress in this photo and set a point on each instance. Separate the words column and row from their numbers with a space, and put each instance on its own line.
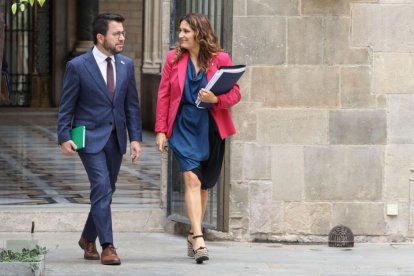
column 195, row 139
column 190, row 135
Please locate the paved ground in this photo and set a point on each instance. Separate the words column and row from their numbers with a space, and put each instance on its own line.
column 165, row 254
column 34, row 172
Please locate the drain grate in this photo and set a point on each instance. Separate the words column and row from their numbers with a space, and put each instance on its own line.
column 341, row 236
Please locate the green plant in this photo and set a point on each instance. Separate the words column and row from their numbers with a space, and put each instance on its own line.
column 32, row 256
column 22, row 4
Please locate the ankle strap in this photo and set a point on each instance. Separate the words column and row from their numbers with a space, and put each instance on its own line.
column 199, row 236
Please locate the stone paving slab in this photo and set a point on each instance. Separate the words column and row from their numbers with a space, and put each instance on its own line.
column 165, row 254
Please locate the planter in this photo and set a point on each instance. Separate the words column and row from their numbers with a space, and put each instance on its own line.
column 19, row 268
column 22, row 268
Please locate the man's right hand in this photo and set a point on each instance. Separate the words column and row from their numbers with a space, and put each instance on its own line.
column 68, row 148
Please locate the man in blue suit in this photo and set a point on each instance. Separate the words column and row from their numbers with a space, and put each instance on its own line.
column 99, row 92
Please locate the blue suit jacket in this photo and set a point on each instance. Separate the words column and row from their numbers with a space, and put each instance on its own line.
column 86, row 101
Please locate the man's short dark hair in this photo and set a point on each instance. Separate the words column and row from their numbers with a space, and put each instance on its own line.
column 100, row 23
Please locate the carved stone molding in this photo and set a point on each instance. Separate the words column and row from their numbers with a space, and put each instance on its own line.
column 152, row 37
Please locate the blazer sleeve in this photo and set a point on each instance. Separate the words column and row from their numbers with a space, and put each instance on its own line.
column 70, row 93
column 132, row 109
column 232, row 97
column 164, row 97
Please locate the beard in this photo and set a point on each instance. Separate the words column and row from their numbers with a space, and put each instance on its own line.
column 110, row 48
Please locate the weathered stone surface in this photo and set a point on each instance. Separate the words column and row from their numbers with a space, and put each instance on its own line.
column 338, row 46
column 272, row 7
column 305, row 40
column 277, row 217
column 239, row 212
column 245, row 84
column 316, row 86
column 385, row 28
column 381, row 101
column 396, row 225
column 280, row 126
column 401, row 119
column 236, row 157
column 353, row 127
column 343, row 173
column 239, row 7
column 264, row 47
column 393, row 73
column 260, row 206
column 263, row 90
column 328, row 7
column 287, row 173
column 399, row 161
column 245, row 119
column 73, row 219
column 308, row 218
column 256, row 162
column 356, row 88
column 361, row 218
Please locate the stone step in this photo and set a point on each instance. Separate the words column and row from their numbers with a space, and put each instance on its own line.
column 72, row 217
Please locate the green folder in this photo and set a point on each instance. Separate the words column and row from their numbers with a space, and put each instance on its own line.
column 77, row 135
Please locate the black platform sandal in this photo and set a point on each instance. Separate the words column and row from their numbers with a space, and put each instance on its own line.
column 200, row 254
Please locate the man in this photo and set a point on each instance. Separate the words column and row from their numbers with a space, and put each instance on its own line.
column 99, row 92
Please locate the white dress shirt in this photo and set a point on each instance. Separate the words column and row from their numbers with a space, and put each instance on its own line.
column 102, row 63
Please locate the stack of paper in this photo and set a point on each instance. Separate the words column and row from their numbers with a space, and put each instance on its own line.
column 223, row 81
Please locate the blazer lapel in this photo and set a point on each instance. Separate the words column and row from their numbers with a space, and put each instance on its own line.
column 212, row 68
column 95, row 72
column 182, row 70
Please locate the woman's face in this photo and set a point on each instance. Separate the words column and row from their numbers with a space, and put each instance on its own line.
column 187, row 36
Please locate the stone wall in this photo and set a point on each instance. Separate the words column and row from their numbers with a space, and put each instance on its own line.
column 132, row 11
column 326, row 122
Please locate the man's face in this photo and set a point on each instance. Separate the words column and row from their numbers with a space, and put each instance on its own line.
column 114, row 39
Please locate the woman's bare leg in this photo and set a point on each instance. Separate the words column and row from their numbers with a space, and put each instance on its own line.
column 193, row 205
column 204, row 200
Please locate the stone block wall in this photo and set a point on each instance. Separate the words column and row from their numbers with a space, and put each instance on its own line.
column 133, row 12
column 326, row 122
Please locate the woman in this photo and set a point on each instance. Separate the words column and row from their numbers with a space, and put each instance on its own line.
column 196, row 136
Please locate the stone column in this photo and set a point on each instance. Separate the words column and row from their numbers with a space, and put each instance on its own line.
column 86, row 13
column 152, row 37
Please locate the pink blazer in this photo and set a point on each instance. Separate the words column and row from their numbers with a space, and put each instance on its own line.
column 171, row 90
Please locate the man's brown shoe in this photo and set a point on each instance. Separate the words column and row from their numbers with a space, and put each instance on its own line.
column 89, row 249
column 109, row 256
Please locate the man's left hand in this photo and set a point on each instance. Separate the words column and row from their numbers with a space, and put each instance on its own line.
column 135, row 150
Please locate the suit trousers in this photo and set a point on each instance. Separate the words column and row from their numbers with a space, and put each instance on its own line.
column 102, row 169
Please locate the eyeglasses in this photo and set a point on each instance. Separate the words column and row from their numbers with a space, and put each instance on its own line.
column 118, row 34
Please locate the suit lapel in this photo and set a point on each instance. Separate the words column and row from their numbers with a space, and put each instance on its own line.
column 120, row 66
column 95, row 72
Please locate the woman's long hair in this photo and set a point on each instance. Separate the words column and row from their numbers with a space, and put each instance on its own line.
column 204, row 35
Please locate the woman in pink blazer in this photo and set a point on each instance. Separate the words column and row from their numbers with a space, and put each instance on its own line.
column 196, row 136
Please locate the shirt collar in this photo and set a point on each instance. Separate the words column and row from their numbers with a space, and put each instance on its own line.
column 101, row 56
